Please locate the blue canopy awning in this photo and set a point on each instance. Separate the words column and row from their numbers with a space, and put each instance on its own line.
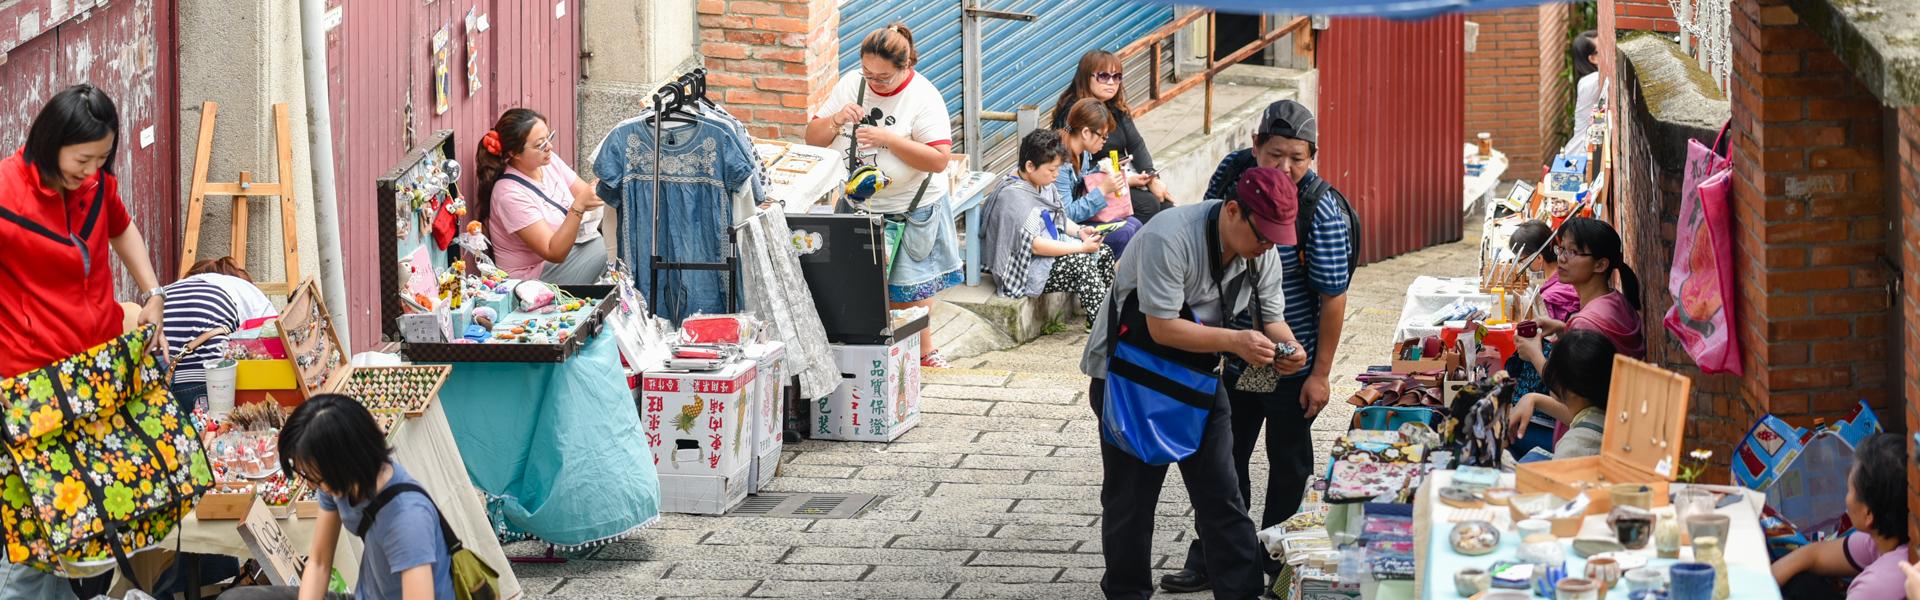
column 1395, row 9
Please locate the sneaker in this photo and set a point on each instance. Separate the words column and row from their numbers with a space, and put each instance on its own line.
column 933, row 360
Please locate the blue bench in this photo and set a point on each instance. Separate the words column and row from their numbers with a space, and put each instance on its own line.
column 969, row 209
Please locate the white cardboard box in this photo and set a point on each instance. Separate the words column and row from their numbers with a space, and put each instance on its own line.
column 699, row 423
column 768, row 392
column 879, row 394
column 704, row 494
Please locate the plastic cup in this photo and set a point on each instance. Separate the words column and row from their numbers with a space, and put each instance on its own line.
column 222, row 379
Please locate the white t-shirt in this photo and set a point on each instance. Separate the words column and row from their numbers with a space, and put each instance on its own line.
column 914, row 110
column 247, row 298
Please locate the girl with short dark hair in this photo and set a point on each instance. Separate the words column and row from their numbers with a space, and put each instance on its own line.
column 1031, row 245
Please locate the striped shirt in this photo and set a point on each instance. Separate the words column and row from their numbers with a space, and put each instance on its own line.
column 1327, row 259
column 194, row 307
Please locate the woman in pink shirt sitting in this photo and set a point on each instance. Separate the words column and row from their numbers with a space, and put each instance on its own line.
column 1873, row 552
column 1558, row 298
column 543, row 221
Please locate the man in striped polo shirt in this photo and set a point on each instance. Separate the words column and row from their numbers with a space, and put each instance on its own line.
column 1316, row 293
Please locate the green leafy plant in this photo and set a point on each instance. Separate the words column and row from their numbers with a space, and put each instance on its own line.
column 1695, row 465
column 1053, row 327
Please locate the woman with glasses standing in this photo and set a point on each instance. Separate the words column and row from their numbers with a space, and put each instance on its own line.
column 542, row 219
column 1099, row 78
column 903, row 130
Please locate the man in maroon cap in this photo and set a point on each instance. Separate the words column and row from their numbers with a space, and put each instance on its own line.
column 1183, row 276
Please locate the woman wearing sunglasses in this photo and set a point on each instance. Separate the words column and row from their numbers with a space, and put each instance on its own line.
column 543, row 221
column 1100, row 78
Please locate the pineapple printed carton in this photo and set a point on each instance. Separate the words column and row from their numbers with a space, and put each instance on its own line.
column 699, row 423
column 879, row 394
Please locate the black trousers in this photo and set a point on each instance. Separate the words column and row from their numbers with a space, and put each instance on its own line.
column 1289, row 457
column 1130, row 491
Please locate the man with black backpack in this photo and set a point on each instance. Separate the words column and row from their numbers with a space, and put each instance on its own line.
column 1317, row 272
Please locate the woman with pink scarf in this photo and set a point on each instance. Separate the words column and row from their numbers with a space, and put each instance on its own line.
column 1590, row 257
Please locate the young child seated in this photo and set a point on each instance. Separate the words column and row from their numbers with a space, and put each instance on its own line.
column 1872, row 554
column 1579, row 375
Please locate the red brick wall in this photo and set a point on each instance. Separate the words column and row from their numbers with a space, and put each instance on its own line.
column 1810, row 214
column 1556, row 90
column 1642, row 15
column 770, row 60
column 1515, row 88
column 1909, row 175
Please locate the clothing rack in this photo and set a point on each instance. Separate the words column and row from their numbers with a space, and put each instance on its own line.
column 687, row 92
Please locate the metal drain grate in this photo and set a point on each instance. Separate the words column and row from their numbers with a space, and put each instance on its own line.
column 804, row 506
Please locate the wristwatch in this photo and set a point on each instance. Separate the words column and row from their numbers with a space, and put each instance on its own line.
column 159, row 291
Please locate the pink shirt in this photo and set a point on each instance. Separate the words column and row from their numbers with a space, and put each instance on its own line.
column 515, row 208
column 1880, row 577
column 1561, row 299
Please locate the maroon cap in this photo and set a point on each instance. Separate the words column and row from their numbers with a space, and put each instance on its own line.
column 1274, row 201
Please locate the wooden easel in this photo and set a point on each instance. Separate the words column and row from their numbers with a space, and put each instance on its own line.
column 240, row 191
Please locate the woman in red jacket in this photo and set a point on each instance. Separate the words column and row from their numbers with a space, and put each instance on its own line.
column 60, row 211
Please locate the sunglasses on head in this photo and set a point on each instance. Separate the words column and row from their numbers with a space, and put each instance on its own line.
column 1107, row 77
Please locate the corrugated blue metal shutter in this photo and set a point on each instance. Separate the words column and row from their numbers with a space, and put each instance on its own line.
column 1025, row 63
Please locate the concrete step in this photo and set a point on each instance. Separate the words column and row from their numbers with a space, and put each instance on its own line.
column 1186, row 154
column 973, row 320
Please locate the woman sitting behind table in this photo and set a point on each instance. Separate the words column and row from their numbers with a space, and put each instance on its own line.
column 1559, row 299
column 1589, row 252
column 213, row 301
column 1032, row 246
column 1873, row 552
column 1083, row 188
column 1099, row 78
column 542, row 219
column 1580, row 375
column 332, row 441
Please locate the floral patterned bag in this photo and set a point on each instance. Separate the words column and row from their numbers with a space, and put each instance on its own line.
column 99, row 462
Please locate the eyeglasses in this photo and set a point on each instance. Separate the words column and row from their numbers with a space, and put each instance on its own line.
column 1564, row 251
column 546, row 144
column 1107, row 77
column 880, row 79
column 1255, row 225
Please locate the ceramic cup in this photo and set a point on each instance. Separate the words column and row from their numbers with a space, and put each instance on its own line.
column 1471, row 580
column 1632, row 494
column 1576, row 588
column 1691, row 581
column 1691, row 501
column 1709, row 525
column 1604, row 571
column 1632, row 527
column 1645, row 580
column 1532, row 526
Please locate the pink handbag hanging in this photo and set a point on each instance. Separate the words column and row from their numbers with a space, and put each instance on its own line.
column 1703, row 282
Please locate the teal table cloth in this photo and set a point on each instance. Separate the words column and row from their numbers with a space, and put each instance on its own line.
column 556, row 447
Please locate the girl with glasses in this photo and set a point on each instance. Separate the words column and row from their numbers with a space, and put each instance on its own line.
column 1093, row 196
column 1590, row 258
column 1101, row 77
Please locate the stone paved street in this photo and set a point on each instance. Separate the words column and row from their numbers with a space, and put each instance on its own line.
column 994, row 495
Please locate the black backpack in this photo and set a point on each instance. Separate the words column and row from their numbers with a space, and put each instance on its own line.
column 1314, row 192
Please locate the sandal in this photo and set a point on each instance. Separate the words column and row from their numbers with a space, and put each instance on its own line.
column 933, row 360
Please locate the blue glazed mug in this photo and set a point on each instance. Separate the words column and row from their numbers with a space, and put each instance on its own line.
column 1691, row 581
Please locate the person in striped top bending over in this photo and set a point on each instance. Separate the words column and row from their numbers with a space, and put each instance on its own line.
column 215, row 298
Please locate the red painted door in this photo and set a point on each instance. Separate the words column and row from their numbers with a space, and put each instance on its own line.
column 380, row 63
column 125, row 48
column 1391, row 124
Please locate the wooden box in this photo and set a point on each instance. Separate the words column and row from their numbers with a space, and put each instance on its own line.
column 1641, row 443
column 320, row 363
column 1424, row 365
column 229, row 502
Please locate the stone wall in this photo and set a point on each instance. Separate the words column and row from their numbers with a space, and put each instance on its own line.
column 1812, row 218
column 1665, row 101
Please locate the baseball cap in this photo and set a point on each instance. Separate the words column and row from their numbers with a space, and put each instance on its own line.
column 1290, row 119
column 1274, row 201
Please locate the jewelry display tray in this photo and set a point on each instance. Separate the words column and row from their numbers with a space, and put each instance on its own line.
column 1641, row 441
